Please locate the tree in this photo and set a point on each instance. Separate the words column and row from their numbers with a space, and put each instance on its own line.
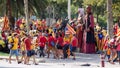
column 109, row 18
column 26, row 14
column 116, row 8
column 77, row 3
column 116, row 11
column 99, row 7
column 60, row 8
column 17, row 6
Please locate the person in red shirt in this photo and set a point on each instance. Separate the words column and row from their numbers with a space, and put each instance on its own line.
column 18, row 23
column 113, row 50
column 30, row 51
column 17, row 30
column 118, row 49
column 60, row 41
column 42, row 42
column 116, row 27
column 44, row 23
column 106, row 47
column 60, row 45
column 51, row 41
column 28, row 44
column 51, row 45
column 74, row 43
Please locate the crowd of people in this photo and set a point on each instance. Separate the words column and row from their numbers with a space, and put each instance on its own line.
column 40, row 38
column 59, row 43
column 61, row 39
column 111, row 46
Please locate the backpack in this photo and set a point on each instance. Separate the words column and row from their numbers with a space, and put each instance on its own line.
column 10, row 45
column 52, row 43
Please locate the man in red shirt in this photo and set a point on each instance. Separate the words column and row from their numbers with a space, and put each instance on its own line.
column 42, row 42
column 60, row 45
column 60, row 41
column 28, row 44
column 74, row 43
column 51, row 45
column 30, row 52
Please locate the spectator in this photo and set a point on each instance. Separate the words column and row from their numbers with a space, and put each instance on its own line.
column 30, row 51
column 23, row 49
column 42, row 42
column 74, row 43
column 118, row 49
column 66, row 48
column 51, row 45
column 60, row 45
column 14, row 50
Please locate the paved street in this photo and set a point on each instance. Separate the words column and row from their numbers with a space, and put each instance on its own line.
column 92, row 61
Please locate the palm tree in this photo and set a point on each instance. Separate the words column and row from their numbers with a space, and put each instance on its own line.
column 15, row 8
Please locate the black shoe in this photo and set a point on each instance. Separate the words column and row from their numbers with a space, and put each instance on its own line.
column 40, row 55
column 36, row 63
column 19, row 62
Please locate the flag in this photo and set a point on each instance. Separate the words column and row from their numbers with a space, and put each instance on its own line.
column 5, row 25
column 69, row 30
column 118, row 33
column 19, row 22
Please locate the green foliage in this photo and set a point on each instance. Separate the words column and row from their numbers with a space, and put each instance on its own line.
column 102, row 21
column 116, row 8
column 98, row 6
column 77, row 3
column 38, row 7
column 74, row 10
column 2, row 7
